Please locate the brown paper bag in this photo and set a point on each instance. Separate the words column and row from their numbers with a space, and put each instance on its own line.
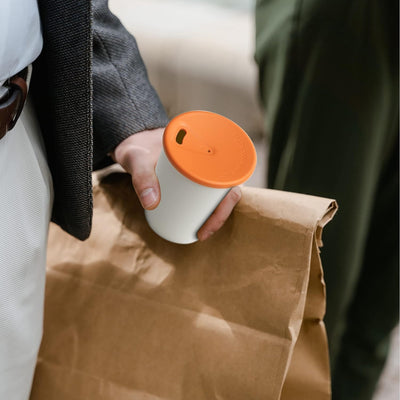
column 129, row 315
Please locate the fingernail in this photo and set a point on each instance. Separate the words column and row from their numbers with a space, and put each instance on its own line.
column 148, row 197
column 202, row 236
column 205, row 235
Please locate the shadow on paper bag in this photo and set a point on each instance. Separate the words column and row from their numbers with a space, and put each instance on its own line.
column 129, row 315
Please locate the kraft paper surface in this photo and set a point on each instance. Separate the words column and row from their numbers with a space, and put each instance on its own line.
column 129, row 315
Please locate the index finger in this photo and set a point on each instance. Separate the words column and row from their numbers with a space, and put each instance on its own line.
column 220, row 214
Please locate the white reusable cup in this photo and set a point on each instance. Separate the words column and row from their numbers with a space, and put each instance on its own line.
column 204, row 155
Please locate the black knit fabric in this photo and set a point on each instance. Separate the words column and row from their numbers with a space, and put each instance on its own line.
column 124, row 101
column 61, row 89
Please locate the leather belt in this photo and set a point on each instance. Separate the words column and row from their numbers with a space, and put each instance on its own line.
column 12, row 103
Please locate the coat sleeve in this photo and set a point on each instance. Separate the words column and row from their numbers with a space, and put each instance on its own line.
column 124, row 102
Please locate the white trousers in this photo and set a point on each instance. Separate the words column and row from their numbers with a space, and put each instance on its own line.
column 26, row 197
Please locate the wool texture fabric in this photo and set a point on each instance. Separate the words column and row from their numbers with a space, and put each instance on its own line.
column 89, row 75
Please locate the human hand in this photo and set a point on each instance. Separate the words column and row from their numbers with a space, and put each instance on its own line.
column 138, row 155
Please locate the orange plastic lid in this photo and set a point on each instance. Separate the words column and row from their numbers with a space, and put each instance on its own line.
column 209, row 149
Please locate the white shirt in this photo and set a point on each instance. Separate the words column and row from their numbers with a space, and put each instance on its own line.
column 20, row 36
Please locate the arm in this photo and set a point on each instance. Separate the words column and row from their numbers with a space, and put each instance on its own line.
column 128, row 117
column 124, row 102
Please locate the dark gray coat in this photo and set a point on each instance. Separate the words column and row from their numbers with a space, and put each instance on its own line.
column 91, row 91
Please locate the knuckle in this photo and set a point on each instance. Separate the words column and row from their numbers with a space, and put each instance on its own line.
column 142, row 178
column 236, row 194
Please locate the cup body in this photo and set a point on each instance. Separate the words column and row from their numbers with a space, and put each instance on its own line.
column 185, row 205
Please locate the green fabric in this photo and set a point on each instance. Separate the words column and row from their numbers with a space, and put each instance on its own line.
column 329, row 83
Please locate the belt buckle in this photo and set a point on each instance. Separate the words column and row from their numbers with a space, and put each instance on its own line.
column 11, row 107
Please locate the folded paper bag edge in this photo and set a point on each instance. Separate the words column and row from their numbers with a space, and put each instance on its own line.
column 277, row 202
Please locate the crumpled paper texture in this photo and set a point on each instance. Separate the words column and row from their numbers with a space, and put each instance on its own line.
column 129, row 315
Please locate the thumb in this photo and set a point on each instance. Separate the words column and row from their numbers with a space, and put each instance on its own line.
column 146, row 185
column 138, row 155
